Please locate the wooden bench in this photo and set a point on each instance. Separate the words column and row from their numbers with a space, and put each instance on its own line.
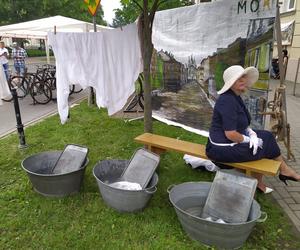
column 159, row 144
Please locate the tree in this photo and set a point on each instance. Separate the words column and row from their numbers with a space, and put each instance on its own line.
column 146, row 10
column 129, row 12
column 15, row 11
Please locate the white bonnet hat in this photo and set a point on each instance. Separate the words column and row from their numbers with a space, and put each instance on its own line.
column 234, row 72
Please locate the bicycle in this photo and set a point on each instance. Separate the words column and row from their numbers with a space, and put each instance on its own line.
column 40, row 90
column 20, row 83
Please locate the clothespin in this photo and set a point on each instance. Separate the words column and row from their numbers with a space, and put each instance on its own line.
column 54, row 29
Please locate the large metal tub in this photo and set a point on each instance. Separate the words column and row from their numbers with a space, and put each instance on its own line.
column 189, row 199
column 38, row 168
column 109, row 171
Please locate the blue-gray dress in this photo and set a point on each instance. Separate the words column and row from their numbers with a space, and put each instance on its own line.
column 229, row 114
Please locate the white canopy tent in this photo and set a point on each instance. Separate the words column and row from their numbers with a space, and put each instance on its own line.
column 38, row 29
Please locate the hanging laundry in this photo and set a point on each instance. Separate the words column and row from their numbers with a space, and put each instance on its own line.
column 4, row 89
column 109, row 61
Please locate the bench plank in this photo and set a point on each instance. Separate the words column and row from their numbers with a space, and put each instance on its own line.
column 158, row 143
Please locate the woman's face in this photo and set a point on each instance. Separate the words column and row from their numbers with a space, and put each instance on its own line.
column 241, row 84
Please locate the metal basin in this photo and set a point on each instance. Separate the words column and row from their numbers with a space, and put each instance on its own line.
column 38, row 168
column 109, row 171
column 189, row 199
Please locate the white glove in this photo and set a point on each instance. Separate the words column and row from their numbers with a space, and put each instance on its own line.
column 250, row 132
column 246, row 139
column 260, row 143
column 255, row 142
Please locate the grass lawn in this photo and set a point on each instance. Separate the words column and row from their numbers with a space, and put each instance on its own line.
column 31, row 221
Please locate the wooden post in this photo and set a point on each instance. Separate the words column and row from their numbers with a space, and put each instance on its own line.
column 279, row 43
column 91, row 97
column 280, row 61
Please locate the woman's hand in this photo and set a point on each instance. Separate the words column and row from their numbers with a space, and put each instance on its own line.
column 252, row 139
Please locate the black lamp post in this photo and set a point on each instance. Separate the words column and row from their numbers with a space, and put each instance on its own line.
column 18, row 119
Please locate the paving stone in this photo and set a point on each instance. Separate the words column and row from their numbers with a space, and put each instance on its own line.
column 297, row 214
column 295, row 220
column 276, row 195
column 282, row 192
column 293, row 184
column 289, row 200
column 295, row 207
column 293, row 189
column 296, row 196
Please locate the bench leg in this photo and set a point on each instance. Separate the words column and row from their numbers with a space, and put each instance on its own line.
column 248, row 172
column 155, row 149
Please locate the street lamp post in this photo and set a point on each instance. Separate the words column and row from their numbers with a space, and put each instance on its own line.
column 22, row 142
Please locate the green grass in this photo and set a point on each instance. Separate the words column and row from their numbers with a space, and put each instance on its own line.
column 37, row 52
column 31, row 221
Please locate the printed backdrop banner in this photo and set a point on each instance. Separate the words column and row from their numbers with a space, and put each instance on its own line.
column 193, row 47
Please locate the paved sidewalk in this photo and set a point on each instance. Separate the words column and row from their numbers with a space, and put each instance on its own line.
column 288, row 197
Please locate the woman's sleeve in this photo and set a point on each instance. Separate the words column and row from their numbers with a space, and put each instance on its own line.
column 227, row 108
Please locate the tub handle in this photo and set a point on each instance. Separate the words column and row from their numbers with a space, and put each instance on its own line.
column 151, row 192
column 263, row 217
column 170, row 187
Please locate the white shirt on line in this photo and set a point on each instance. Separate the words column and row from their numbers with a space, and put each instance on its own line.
column 109, row 61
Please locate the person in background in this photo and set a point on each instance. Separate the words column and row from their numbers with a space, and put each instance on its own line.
column 19, row 54
column 285, row 61
column 4, row 58
column 275, row 69
column 230, row 137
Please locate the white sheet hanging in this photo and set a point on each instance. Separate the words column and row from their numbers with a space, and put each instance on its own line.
column 109, row 61
column 4, row 89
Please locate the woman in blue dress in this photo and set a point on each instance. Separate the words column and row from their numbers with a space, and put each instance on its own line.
column 230, row 137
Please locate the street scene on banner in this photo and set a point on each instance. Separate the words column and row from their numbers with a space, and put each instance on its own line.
column 191, row 55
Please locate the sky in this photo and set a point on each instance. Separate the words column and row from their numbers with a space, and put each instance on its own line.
column 108, row 8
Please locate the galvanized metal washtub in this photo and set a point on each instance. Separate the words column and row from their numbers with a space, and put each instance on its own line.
column 38, row 168
column 109, row 171
column 189, row 199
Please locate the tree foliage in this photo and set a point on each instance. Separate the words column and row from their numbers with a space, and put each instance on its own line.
column 15, row 11
column 129, row 11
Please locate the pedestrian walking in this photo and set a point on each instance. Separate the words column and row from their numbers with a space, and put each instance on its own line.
column 19, row 55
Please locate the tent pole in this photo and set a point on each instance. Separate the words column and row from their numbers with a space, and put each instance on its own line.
column 47, row 51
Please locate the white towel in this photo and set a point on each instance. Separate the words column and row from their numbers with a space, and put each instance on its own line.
column 126, row 185
column 196, row 162
column 109, row 61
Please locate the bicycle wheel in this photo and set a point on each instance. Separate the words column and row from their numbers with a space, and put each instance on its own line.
column 7, row 99
column 51, row 82
column 20, row 84
column 74, row 89
column 40, row 92
column 77, row 89
column 71, row 88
